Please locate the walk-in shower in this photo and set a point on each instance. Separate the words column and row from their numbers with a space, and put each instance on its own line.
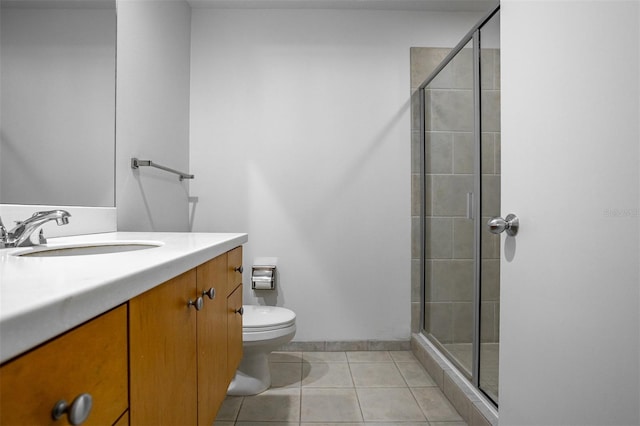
column 457, row 117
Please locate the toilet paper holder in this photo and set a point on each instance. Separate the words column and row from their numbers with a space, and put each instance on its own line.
column 263, row 277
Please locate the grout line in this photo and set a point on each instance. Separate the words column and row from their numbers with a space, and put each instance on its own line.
column 300, row 387
column 355, row 390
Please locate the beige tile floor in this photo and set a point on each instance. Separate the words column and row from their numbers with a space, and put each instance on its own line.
column 343, row 388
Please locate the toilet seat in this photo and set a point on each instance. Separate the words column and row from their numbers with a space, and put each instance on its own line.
column 256, row 319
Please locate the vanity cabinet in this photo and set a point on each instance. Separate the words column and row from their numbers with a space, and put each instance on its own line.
column 183, row 342
column 89, row 359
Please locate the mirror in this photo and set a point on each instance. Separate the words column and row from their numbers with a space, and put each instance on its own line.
column 57, row 100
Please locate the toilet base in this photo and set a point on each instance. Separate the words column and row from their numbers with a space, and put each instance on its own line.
column 253, row 375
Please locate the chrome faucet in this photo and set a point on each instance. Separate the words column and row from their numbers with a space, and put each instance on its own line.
column 20, row 236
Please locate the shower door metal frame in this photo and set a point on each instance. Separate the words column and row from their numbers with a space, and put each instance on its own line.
column 472, row 36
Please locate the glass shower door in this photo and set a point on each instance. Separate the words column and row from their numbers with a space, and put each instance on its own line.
column 460, row 111
column 449, row 222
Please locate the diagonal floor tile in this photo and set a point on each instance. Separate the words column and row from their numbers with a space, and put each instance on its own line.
column 286, row 374
column 403, row 356
column 369, row 356
column 272, row 405
column 415, row 375
column 324, row 357
column 389, row 405
column 326, row 375
column 376, row 374
column 285, row 357
column 330, row 405
column 229, row 409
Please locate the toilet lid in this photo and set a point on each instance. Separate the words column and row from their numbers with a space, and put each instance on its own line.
column 257, row 318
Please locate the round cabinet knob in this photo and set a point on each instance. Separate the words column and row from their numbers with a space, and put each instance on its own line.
column 77, row 412
column 240, row 311
column 198, row 303
column 211, row 293
column 239, row 269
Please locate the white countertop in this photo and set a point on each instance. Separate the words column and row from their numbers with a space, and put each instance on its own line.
column 41, row 297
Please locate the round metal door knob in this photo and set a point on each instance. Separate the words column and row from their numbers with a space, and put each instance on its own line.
column 239, row 269
column 77, row 413
column 510, row 224
column 240, row 311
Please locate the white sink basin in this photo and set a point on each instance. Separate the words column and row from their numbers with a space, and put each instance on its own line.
column 86, row 249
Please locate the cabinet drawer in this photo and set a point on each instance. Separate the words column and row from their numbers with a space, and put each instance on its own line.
column 91, row 358
column 234, row 331
column 234, row 262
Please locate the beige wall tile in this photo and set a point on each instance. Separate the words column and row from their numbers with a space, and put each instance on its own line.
column 449, row 194
column 488, row 153
column 439, row 153
column 497, row 149
column 462, row 328
column 487, row 68
column 463, row 238
column 423, row 61
column 487, row 318
column 452, row 281
column 490, row 195
column 416, row 151
column 439, row 237
column 452, row 110
column 463, row 153
column 415, row 280
column 416, row 196
column 439, row 317
column 490, row 100
column 490, row 284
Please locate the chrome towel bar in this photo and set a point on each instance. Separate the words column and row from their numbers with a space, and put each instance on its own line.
column 135, row 163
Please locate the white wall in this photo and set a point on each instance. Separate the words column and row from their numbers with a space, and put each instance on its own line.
column 152, row 114
column 300, row 136
column 570, row 320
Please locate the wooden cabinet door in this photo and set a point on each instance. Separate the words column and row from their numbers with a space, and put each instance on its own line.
column 234, row 331
column 212, row 339
column 162, row 342
column 91, row 358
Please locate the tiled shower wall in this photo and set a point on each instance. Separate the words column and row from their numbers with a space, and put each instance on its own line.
column 449, row 169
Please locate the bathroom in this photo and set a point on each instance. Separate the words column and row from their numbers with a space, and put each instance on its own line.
column 295, row 122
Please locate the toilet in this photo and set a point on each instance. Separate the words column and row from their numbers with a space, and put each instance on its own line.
column 264, row 329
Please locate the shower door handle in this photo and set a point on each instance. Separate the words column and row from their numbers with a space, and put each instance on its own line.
column 511, row 224
column 470, row 205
